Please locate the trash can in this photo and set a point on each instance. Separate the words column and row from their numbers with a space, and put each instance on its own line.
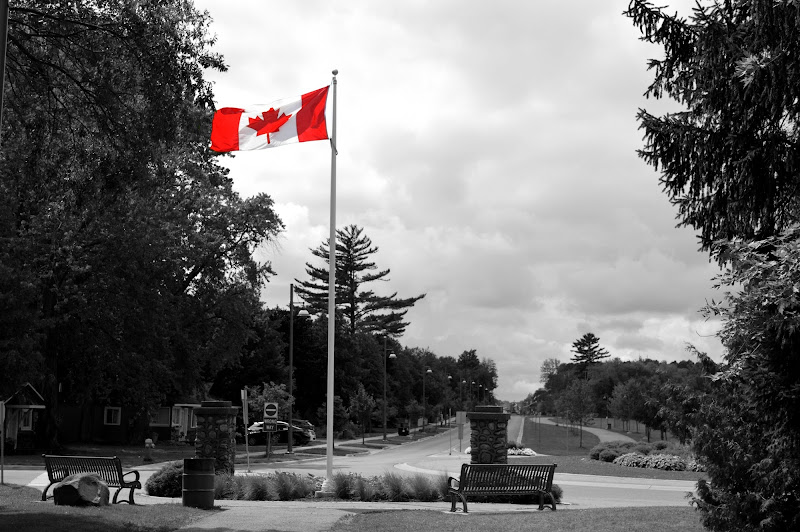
column 402, row 429
column 198, row 482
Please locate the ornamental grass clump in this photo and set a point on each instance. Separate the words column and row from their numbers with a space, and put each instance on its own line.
column 443, row 485
column 228, row 487
column 394, row 487
column 422, row 489
column 256, row 488
column 289, row 486
column 342, row 485
column 363, row 490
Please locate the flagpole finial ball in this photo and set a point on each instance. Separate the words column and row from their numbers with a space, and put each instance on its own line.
column 335, row 72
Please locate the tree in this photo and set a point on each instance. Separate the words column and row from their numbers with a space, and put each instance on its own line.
column 587, row 352
column 748, row 429
column 577, row 405
column 549, row 367
column 126, row 257
column 729, row 160
column 361, row 310
column 729, row 163
column 361, row 406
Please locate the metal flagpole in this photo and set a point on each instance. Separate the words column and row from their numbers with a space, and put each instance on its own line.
column 327, row 485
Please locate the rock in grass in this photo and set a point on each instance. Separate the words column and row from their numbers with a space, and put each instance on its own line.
column 81, row 489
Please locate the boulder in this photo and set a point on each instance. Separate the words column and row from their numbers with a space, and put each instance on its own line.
column 81, row 489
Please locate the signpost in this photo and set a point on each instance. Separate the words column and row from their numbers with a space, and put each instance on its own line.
column 244, row 420
column 270, row 421
column 461, row 418
column 270, row 417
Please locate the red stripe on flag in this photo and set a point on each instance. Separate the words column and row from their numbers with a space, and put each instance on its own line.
column 225, row 129
column 311, row 117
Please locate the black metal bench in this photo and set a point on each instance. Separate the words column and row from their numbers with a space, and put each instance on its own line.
column 502, row 479
column 109, row 469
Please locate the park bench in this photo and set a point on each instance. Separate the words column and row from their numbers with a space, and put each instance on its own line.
column 502, row 479
column 109, row 469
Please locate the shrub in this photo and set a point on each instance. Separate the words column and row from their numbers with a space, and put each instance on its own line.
column 631, row 460
column 167, row 481
column 557, row 492
column 608, row 455
column 642, row 448
column 694, row 465
column 615, row 447
column 594, row 452
column 660, row 445
column 666, row 462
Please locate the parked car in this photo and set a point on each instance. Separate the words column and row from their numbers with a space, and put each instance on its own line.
column 257, row 436
column 307, row 426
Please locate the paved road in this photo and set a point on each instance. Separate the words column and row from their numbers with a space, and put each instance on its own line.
column 440, row 455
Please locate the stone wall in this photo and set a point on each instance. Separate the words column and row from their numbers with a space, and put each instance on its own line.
column 216, row 434
column 488, row 435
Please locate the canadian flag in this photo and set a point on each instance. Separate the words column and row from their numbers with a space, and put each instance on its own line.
column 296, row 119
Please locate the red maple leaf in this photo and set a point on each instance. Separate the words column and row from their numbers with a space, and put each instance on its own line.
column 268, row 122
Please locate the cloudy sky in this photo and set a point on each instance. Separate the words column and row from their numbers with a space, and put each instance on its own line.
column 489, row 150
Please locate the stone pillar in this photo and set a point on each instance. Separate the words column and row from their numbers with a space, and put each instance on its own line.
column 216, row 434
column 489, row 435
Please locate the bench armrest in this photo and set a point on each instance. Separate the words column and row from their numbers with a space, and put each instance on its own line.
column 133, row 472
column 452, row 482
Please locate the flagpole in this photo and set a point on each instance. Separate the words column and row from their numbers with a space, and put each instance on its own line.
column 327, row 485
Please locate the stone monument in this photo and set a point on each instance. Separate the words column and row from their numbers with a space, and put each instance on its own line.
column 216, row 434
column 489, row 435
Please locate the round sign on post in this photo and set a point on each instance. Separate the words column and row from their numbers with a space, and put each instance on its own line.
column 270, row 410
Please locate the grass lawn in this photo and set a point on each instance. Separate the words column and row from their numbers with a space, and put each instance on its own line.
column 22, row 510
column 663, row 519
column 560, row 440
column 562, row 447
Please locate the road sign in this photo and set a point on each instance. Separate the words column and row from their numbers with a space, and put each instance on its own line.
column 270, row 411
column 461, row 417
column 270, row 425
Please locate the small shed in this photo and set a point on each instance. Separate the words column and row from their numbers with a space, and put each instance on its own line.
column 24, row 415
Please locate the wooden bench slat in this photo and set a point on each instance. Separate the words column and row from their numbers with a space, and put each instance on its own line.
column 109, row 469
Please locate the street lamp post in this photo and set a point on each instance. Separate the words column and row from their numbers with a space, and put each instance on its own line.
column 302, row 314
column 424, row 401
column 385, row 357
column 471, row 398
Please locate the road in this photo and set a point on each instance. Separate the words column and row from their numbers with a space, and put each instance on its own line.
column 439, row 455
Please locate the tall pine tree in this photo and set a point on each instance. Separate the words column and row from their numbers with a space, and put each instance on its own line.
column 360, row 310
column 587, row 352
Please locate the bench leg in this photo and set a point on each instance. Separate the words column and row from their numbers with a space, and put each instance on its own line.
column 552, row 504
column 44, row 493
